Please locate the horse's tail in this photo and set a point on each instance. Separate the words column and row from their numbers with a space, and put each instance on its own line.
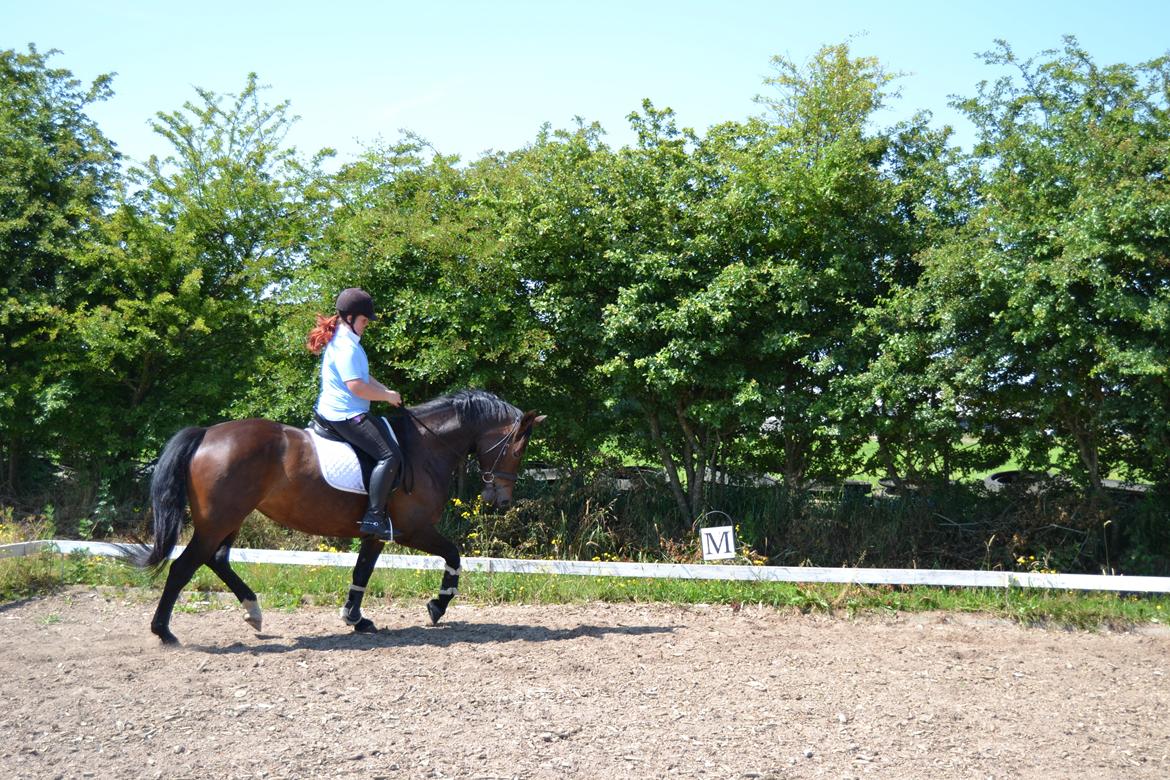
column 168, row 497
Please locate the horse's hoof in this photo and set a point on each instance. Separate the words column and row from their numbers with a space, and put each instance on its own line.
column 365, row 626
column 436, row 610
column 252, row 614
column 165, row 636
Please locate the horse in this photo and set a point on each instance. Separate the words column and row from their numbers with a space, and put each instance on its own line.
column 225, row 471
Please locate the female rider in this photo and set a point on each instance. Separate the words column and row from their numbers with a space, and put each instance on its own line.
column 344, row 403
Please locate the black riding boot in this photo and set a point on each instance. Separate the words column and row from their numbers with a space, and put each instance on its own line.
column 376, row 521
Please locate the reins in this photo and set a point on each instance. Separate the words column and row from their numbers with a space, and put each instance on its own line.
column 406, row 412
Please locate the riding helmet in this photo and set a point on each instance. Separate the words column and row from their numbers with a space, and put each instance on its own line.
column 355, row 300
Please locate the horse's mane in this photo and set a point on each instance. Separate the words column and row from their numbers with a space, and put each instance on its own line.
column 470, row 407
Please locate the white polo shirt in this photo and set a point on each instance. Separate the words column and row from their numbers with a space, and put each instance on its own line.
column 343, row 360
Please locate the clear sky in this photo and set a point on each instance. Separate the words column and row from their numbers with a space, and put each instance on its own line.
column 472, row 76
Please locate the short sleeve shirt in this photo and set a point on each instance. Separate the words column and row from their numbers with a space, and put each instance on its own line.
column 343, row 360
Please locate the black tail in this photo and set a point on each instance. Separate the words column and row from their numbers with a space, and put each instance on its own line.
column 168, row 497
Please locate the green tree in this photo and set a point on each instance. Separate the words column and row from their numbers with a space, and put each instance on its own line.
column 193, row 277
column 824, row 193
column 58, row 175
column 911, row 393
column 421, row 234
column 556, row 228
column 1064, row 285
column 694, row 287
column 629, row 291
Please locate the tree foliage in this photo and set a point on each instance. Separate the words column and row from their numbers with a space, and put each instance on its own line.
column 767, row 296
column 190, row 277
column 1060, row 288
column 58, row 174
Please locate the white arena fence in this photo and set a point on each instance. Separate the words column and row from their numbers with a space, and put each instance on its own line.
column 682, row 571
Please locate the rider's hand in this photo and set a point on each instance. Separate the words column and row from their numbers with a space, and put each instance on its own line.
column 394, row 398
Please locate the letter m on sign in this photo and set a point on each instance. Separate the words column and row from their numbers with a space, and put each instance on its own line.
column 718, row 543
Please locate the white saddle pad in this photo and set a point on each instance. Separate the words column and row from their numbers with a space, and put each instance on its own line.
column 339, row 463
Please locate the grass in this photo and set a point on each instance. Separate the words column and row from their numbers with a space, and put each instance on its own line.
column 288, row 587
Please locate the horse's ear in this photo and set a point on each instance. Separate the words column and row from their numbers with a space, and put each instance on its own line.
column 530, row 420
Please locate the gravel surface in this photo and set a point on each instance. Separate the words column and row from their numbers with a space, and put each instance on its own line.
column 591, row 691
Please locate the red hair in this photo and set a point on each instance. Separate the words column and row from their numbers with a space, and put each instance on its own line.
column 322, row 334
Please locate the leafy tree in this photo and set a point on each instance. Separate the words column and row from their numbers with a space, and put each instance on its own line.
column 823, row 193
column 1063, row 290
column 611, row 247
column 556, row 228
column 58, row 175
column 693, row 287
column 421, row 234
column 199, row 258
column 911, row 394
column 667, row 326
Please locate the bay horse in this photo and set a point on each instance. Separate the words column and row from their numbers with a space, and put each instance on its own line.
column 226, row 471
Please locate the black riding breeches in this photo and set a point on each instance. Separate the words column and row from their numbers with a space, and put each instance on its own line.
column 371, row 436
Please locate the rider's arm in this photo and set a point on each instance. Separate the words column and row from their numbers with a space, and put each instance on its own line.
column 373, row 391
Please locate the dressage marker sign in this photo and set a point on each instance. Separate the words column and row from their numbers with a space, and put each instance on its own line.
column 718, row 543
column 937, row 577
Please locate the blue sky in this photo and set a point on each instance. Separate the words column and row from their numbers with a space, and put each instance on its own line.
column 472, row 76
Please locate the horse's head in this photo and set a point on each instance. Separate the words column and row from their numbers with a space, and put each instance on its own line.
column 499, row 451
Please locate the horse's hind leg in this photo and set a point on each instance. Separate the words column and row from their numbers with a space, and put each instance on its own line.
column 431, row 541
column 351, row 613
column 197, row 553
column 223, row 569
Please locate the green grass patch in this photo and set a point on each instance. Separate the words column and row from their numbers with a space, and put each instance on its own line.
column 288, row 587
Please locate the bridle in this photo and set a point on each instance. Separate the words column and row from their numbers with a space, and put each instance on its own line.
column 489, row 477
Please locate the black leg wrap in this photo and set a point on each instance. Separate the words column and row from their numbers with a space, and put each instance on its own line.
column 351, row 613
column 437, row 607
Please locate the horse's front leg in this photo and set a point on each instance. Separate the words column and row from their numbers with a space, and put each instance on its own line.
column 351, row 613
column 449, row 589
column 431, row 541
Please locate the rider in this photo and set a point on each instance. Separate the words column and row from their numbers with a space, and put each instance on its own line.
column 346, row 391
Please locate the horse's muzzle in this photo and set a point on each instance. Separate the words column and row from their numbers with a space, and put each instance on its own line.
column 497, row 496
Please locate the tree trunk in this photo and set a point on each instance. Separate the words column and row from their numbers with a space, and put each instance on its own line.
column 794, row 451
column 696, row 461
column 668, row 463
column 1088, row 449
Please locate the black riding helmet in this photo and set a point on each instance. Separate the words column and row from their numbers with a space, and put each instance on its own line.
column 354, row 301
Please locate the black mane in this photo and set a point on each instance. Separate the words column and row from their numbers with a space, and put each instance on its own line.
column 470, row 407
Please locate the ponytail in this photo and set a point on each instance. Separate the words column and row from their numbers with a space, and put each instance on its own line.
column 322, row 334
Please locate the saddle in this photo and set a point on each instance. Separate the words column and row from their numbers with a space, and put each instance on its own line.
column 344, row 467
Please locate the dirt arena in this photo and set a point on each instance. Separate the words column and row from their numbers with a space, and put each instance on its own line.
column 595, row 691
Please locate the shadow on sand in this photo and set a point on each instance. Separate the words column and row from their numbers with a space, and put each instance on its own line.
column 445, row 635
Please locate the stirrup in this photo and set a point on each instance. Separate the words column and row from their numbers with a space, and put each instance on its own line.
column 378, row 524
